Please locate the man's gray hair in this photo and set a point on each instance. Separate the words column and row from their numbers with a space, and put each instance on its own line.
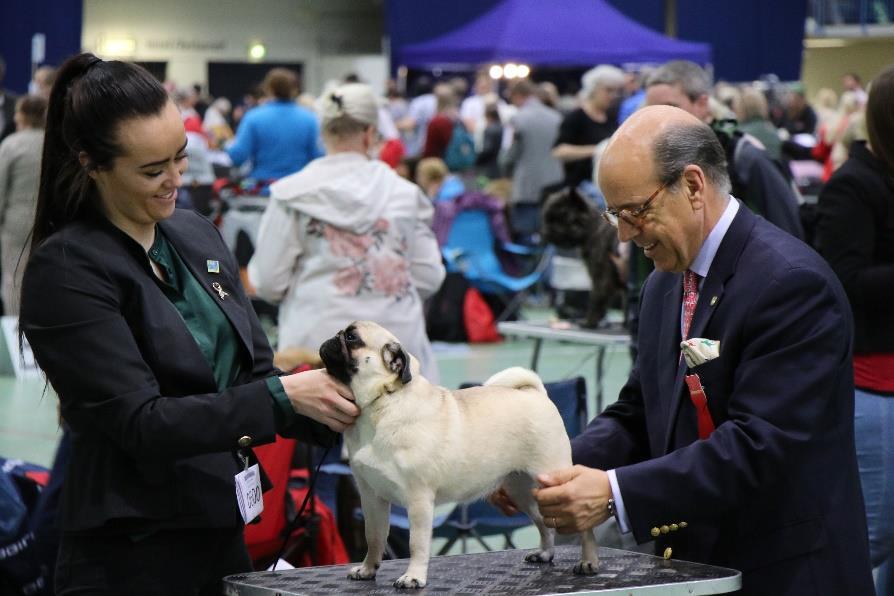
column 683, row 144
column 691, row 77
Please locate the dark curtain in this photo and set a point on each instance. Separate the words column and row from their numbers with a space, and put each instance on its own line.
column 59, row 20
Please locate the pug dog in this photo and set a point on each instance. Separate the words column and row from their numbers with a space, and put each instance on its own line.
column 419, row 445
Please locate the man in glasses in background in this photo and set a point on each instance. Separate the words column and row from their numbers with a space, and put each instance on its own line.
column 737, row 449
column 756, row 180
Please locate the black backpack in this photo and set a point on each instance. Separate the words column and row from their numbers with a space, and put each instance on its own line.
column 444, row 310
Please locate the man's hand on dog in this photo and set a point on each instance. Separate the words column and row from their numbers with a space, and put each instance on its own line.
column 317, row 395
column 574, row 499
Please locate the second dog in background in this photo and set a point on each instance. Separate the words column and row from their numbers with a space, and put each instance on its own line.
column 569, row 222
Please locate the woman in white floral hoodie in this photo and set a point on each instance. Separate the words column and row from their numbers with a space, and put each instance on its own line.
column 346, row 238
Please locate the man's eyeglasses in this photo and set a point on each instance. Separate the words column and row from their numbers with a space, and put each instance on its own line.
column 632, row 216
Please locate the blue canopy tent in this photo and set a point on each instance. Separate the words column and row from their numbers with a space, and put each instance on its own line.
column 554, row 33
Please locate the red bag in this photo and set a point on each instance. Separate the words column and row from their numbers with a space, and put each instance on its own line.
column 392, row 152
column 264, row 540
column 478, row 319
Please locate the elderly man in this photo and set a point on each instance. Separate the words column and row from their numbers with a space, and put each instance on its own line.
column 740, row 451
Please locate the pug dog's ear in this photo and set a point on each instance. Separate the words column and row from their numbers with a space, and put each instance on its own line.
column 398, row 361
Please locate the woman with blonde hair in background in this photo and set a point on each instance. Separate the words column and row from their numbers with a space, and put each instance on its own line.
column 825, row 104
column 595, row 120
column 347, row 238
column 831, row 148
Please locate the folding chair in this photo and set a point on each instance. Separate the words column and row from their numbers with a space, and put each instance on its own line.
column 471, row 249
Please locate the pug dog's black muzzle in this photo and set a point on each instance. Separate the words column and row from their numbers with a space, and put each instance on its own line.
column 337, row 358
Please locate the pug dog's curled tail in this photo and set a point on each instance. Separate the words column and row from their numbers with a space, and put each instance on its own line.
column 517, row 378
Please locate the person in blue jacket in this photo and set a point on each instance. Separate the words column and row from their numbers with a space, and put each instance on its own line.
column 279, row 136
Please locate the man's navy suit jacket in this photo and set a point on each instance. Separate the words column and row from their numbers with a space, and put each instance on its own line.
column 774, row 491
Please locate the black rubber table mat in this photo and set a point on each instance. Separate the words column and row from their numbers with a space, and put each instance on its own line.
column 504, row 572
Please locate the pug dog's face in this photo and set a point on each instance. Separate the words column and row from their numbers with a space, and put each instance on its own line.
column 367, row 358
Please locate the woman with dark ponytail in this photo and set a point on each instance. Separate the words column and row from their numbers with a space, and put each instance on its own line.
column 135, row 312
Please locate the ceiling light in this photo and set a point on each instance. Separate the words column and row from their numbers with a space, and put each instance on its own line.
column 117, row 46
column 257, row 51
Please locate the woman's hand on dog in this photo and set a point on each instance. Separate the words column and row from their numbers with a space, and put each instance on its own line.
column 574, row 499
column 317, row 395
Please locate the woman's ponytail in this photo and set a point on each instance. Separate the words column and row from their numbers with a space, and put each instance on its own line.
column 61, row 177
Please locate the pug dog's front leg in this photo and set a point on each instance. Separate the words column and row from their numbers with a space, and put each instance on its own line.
column 589, row 556
column 376, row 512
column 421, row 511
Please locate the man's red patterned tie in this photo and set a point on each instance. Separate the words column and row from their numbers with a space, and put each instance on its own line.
column 690, row 298
column 693, row 383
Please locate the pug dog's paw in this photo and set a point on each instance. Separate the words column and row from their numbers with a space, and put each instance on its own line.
column 539, row 556
column 363, row 572
column 410, row 582
column 586, row 568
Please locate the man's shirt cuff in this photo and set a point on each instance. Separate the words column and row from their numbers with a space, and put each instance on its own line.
column 620, row 511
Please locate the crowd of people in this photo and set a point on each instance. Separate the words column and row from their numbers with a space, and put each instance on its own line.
column 784, row 474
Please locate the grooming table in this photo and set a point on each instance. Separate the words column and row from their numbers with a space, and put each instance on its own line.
column 599, row 339
column 504, row 572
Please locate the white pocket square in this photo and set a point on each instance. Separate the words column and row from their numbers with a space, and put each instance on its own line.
column 698, row 350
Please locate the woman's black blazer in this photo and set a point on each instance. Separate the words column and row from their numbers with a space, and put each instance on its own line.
column 153, row 440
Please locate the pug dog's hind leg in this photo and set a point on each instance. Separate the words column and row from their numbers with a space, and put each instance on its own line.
column 518, row 485
column 421, row 509
column 376, row 511
column 589, row 556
